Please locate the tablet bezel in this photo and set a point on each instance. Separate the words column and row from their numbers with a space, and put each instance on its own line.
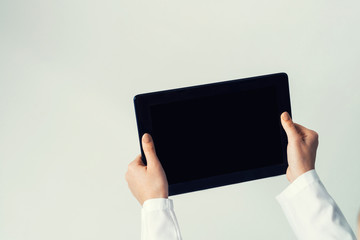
column 143, row 102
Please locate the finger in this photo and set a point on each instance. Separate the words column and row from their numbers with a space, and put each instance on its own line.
column 149, row 150
column 289, row 126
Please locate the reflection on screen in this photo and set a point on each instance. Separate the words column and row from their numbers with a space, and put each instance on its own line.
column 216, row 135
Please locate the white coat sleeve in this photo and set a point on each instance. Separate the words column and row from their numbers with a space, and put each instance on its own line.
column 158, row 220
column 311, row 211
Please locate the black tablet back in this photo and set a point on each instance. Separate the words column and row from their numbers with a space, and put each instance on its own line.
column 217, row 134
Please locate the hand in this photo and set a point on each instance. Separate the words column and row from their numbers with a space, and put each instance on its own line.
column 146, row 182
column 301, row 149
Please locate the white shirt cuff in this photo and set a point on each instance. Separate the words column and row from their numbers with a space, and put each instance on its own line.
column 298, row 185
column 158, row 204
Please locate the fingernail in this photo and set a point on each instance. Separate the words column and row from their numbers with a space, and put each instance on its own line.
column 286, row 116
column 147, row 138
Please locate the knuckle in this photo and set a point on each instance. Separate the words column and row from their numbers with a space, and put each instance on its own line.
column 315, row 135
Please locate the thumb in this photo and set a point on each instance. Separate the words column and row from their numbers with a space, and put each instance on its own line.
column 149, row 150
column 289, row 126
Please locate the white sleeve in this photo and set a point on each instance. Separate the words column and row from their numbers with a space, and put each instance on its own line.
column 158, row 220
column 311, row 211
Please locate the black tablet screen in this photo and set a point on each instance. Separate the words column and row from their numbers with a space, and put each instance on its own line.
column 217, row 135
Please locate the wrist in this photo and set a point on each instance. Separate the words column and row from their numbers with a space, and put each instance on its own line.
column 294, row 174
column 151, row 197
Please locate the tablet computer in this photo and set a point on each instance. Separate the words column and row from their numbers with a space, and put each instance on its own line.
column 217, row 134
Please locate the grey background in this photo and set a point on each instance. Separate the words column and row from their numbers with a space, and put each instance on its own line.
column 69, row 71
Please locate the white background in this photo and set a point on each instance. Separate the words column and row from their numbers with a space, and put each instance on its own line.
column 68, row 73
